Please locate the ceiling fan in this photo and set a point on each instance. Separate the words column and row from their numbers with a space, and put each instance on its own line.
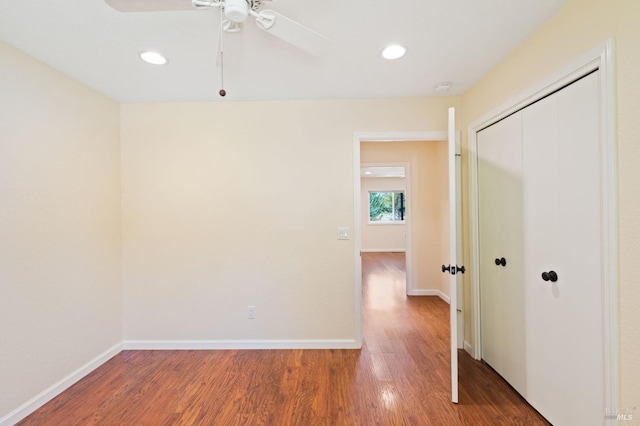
column 236, row 13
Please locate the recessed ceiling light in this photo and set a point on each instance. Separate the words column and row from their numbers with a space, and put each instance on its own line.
column 395, row 51
column 153, row 58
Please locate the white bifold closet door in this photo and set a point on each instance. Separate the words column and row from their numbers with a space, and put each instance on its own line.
column 562, row 234
column 501, row 244
column 540, row 246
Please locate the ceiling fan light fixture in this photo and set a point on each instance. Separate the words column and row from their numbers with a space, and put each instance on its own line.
column 231, row 27
column 153, row 58
column 236, row 10
column 394, row 51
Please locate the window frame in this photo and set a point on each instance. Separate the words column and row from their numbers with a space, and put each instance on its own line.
column 387, row 222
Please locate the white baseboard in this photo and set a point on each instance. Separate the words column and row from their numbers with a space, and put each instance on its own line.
column 468, row 348
column 421, row 292
column 239, row 344
column 57, row 388
column 395, row 250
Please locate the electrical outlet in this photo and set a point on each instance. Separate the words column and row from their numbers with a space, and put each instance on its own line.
column 251, row 312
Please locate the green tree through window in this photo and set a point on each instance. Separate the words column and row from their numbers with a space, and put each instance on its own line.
column 386, row 206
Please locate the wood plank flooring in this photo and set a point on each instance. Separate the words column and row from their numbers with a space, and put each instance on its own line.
column 400, row 377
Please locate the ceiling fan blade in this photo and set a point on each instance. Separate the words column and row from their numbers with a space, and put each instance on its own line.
column 292, row 32
column 150, row 5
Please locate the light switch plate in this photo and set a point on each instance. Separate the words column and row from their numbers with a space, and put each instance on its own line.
column 343, row 233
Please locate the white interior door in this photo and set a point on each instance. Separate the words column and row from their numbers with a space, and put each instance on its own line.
column 563, row 255
column 454, row 217
column 500, row 218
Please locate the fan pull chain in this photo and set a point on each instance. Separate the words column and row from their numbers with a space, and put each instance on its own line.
column 222, row 92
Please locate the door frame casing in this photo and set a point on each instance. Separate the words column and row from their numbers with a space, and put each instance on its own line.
column 358, row 138
column 599, row 58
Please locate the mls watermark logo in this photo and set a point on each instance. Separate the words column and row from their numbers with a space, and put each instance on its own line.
column 623, row 414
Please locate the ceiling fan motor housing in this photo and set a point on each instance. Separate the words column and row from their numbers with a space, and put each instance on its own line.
column 236, row 10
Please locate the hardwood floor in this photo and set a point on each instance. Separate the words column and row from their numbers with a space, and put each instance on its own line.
column 400, row 377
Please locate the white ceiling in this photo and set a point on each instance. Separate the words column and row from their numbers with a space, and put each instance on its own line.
column 447, row 40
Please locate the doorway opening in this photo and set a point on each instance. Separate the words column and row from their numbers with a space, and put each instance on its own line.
column 417, row 262
column 385, row 215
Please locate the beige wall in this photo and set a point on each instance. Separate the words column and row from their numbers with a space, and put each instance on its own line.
column 580, row 26
column 381, row 236
column 60, row 275
column 229, row 204
column 429, row 204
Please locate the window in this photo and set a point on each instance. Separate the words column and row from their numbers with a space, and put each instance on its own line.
column 386, row 207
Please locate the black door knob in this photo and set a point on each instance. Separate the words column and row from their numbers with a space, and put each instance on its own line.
column 446, row 268
column 502, row 261
column 460, row 269
column 550, row 276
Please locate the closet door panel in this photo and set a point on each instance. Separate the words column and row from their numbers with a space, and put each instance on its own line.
column 500, row 217
column 561, row 152
column 540, row 161
column 581, row 220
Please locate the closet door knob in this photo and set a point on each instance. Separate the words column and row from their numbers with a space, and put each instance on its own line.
column 550, row 276
column 502, row 261
column 446, row 268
